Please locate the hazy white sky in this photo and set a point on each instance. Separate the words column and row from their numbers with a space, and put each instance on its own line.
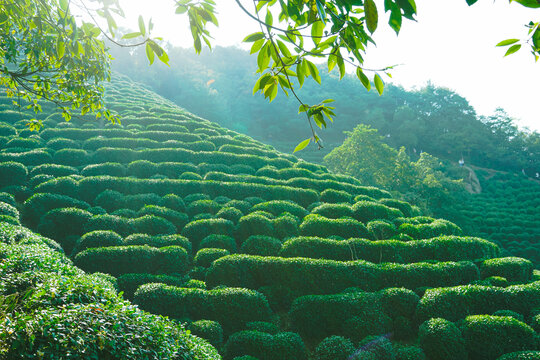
column 452, row 45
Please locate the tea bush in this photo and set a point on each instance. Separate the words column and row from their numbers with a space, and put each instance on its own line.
column 97, row 239
column 488, row 337
column 231, row 307
column 456, row 303
column 261, row 245
column 118, row 260
column 317, row 225
column 263, row 346
column 197, row 230
column 511, row 268
column 442, row 340
column 327, row 276
column 205, row 257
column 12, row 173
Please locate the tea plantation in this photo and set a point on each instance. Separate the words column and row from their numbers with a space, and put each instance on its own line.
column 505, row 212
column 261, row 254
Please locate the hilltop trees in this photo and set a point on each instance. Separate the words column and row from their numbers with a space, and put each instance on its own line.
column 365, row 156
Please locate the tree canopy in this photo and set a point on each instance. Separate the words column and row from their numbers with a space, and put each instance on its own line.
column 48, row 53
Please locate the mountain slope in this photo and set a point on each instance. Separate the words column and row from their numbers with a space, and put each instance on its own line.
column 259, row 252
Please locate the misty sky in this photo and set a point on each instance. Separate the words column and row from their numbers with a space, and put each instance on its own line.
column 451, row 45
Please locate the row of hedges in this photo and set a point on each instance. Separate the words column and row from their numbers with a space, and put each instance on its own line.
column 445, row 248
column 231, row 307
column 147, row 224
column 90, row 187
column 303, row 182
column 456, row 303
column 310, row 276
column 356, row 314
column 124, row 156
column 146, row 169
column 96, row 143
column 107, row 238
column 118, row 260
column 426, row 231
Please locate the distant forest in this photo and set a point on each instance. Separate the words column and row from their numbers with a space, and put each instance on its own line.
column 218, row 86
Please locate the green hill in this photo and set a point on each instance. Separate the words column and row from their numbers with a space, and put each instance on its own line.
column 505, row 212
column 262, row 254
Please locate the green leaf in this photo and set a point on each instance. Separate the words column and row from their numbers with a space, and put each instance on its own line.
column 507, row 42
column 512, row 49
column 302, row 145
column 283, row 48
column 64, row 5
column 131, row 35
column 363, row 79
column 263, row 59
column 150, row 53
column 529, row 3
column 254, row 37
column 257, row 46
column 142, row 27
column 379, row 85
column 181, row 9
column 303, row 108
column 471, row 2
column 300, row 73
column 313, row 71
column 317, row 31
column 60, row 48
column 269, row 20
column 372, row 16
column 320, row 9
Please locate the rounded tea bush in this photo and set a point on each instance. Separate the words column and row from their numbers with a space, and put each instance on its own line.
column 263, row 326
column 219, row 242
column 366, row 211
column 12, row 173
column 97, row 239
column 442, row 340
column 335, row 196
column 488, row 337
column 261, row 245
column 253, row 224
column 334, row 348
column 317, row 225
column 173, row 202
column 514, row 269
column 230, row 213
column 208, row 330
column 152, row 225
column 9, row 210
column 205, row 257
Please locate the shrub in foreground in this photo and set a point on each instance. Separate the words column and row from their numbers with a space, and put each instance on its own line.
column 231, row 307
column 442, row 340
column 488, row 337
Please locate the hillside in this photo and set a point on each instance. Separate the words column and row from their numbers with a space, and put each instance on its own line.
column 505, row 212
column 260, row 253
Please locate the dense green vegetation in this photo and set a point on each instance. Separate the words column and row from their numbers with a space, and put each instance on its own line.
column 505, row 212
column 217, row 86
column 264, row 255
